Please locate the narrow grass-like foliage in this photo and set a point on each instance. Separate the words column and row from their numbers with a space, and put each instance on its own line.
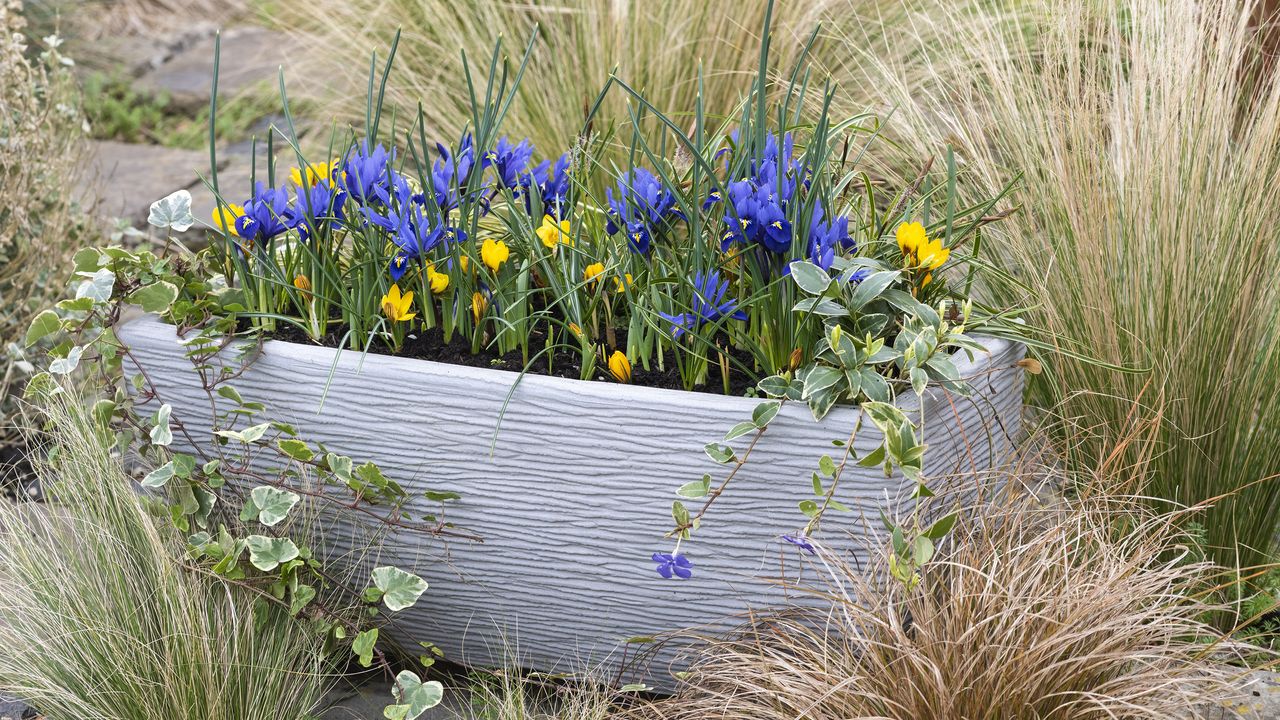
column 655, row 46
column 99, row 619
column 1032, row 612
column 1148, row 145
column 40, row 226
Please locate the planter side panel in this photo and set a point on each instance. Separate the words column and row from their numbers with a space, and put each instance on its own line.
column 577, row 490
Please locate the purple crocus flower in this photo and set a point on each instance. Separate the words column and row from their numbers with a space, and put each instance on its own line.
column 264, row 214
column 673, row 565
column 708, row 305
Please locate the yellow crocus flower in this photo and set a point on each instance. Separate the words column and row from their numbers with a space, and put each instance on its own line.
column 621, row 285
column 302, row 282
column 552, row 233
column 591, row 272
column 620, row 367
column 224, row 217
column 438, row 281
column 396, row 306
column 932, row 255
column 479, row 303
column 910, row 237
column 315, row 173
column 493, row 253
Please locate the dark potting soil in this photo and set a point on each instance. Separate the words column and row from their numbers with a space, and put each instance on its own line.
column 430, row 345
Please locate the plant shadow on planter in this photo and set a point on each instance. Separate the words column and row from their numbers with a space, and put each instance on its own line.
column 571, row 491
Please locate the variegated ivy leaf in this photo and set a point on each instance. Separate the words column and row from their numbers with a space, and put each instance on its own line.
column 400, row 589
column 273, row 504
column 413, row 697
column 161, row 434
column 97, row 287
column 267, row 553
column 67, row 365
column 172, row 212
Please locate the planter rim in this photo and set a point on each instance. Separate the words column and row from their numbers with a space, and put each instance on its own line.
column 342, row 360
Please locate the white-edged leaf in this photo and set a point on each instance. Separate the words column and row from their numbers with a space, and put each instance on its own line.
column 67, row 365
column 400, row 589
column 267, row 553
column 172, row 212
column 161, row 434
column 98, row 286
column 273, row 504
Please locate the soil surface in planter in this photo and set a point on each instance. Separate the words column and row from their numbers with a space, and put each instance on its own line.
column 430, row 345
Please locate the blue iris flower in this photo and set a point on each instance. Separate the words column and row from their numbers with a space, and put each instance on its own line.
column 320, row 203
column 641, row 203
column 826, row 237
column 509, row 161
column 365, row 175
column 552, row 183
column 451, row 172
column 413, row 231
column 265, row 214
column 709, row 305
column 673, row 565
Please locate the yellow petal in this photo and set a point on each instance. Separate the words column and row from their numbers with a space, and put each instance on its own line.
column 620, row 367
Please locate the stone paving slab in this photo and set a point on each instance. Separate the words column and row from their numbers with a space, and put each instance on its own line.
column 121, row 180
column 250, row 56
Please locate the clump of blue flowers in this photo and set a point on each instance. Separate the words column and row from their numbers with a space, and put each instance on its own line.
column 639, row 205
column 709, row 305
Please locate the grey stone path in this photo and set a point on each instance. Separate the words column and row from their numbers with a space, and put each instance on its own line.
column 121, row 180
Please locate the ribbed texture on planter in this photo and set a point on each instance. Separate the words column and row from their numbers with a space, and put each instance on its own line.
column 577, row 491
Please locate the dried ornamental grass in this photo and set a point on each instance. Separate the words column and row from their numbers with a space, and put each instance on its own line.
column 1032, row 613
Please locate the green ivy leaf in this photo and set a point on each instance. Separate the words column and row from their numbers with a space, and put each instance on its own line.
column 363, row 644
column 400, row 589
column 156, row 297
column 414, row 697
column 302, row 596
column 267, row 553
column 42, row 326
column 231, row 394
column 273, row 504
column 295, row 449
column 696, row 489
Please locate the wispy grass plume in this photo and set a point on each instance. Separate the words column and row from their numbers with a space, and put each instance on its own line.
column 99, row 619
column 1147, row 139
column 656, row 46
